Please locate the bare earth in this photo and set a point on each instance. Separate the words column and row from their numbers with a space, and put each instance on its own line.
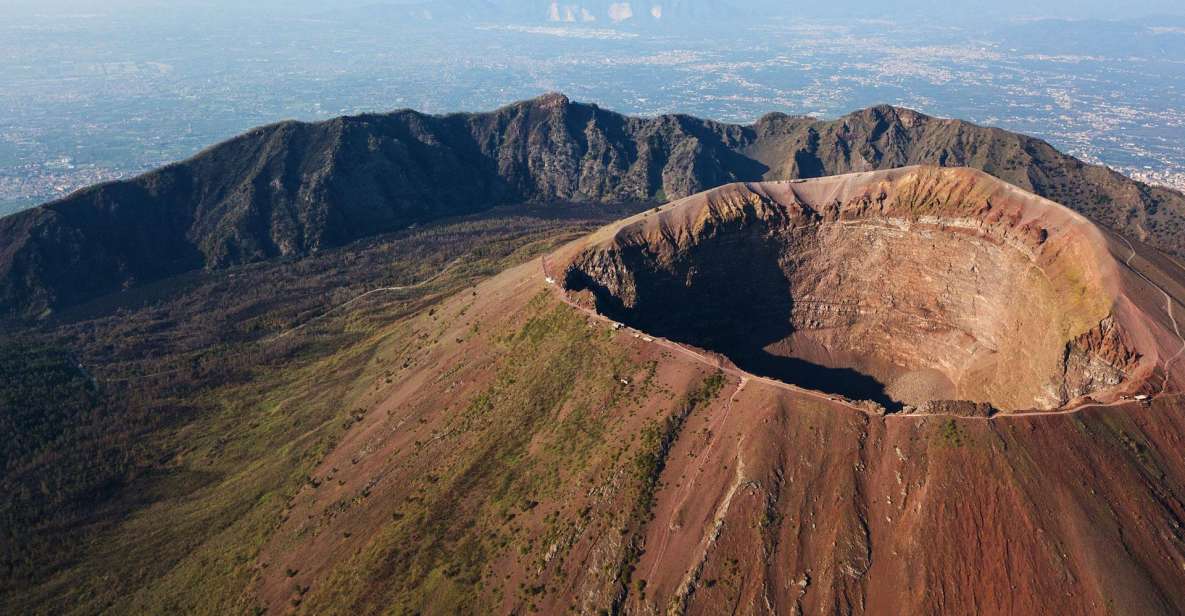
column 770, row 497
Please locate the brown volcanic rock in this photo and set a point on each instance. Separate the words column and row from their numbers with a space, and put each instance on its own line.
column 293, row 189
column 938, row 283
column 530, row 457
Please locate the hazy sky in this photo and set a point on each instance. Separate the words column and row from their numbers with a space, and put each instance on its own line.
column 1066, row 9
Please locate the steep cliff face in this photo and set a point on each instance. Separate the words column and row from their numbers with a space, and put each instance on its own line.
column 1096, row 360
column 293, row 189
column 904, row 287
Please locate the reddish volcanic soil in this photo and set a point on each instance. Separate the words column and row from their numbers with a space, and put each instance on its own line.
column 1015, row 472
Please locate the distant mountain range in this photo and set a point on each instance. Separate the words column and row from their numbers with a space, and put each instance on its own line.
column 293, row 189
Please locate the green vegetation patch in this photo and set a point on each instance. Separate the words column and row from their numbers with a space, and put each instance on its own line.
column 152, row 487
column 53, row 456
column 649, row 462
column 531, row 436
column 950, row 434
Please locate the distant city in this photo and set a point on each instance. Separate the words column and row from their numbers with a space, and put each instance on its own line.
column 84, row 104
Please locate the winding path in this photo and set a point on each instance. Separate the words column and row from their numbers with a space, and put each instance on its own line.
column 449, row 266
column 417, row 285
column 1168, row 306
column 717, row 432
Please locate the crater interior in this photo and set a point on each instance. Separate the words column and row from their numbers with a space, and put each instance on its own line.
column 907, row 290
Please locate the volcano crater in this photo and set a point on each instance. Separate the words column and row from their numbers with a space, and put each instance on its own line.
column 910, row 290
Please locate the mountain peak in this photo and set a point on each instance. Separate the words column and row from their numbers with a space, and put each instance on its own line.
column 891, row 113
column 552, row 100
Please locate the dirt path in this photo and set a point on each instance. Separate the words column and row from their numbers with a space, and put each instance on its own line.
column 363, row 295
column 708, row 543
column 717, row 432
column 1168, row 306
column 728, row 368
column 356, row 298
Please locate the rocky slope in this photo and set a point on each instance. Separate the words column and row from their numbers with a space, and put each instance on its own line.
column 530, row 457
column 490, row 444
column 293, row 189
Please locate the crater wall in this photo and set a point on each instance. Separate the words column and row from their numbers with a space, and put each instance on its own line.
column 904, row 288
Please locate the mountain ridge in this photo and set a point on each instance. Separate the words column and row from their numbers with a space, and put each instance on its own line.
column 291, row 189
